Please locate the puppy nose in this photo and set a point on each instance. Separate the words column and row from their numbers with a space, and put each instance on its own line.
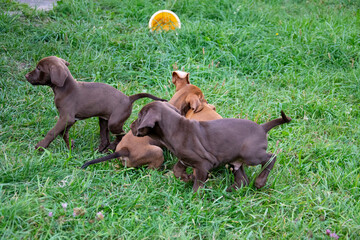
column 27, row 76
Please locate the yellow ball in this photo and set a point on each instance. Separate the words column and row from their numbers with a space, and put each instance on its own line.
column 164, row 20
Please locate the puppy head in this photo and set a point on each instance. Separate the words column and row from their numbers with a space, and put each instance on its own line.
column 195, row 100
column 49, row 71
column 180, row 78
column 149, row 117
column 192, row 98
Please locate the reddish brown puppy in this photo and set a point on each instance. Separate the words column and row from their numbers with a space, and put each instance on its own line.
column 80, row 100
column 138, row 151
column 187, row 96
column 204, row 145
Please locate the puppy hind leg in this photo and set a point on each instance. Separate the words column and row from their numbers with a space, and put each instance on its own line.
column 119, row 134
column 270, row 160
column 114, row 143
column 200, row 177
column 156, row 158
column 104, row 134
column 116, row 123
column 60, row 127
column 241, row 179
column 179, row 170
column 151, row 156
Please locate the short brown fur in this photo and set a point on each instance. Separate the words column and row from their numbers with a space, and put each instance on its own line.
column 80, row 100
column 138, row 151
column 205, row 145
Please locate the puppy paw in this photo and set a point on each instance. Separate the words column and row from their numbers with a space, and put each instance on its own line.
column 233, row 187
column 40, row 146
column 102, row 148
column 110, row 148
column 187, row 177
column 259, row 183
column 237, row 186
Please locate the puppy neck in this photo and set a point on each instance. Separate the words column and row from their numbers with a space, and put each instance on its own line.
column 69, row 85
column 170, row 125
column 180, row 85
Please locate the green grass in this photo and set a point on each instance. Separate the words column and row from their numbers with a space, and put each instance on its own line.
column 250, row 58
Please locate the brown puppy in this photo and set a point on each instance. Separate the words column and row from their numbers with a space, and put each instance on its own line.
column 207, row 113
column 136, row 151
column 204, row 145
column 80, row 100
column 187, row 96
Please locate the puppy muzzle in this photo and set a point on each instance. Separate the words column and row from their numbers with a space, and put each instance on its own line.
column 30, row 79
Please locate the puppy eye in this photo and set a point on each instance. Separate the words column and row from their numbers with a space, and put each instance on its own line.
column 37, row 67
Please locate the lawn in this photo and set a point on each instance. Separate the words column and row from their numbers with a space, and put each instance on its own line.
column 250, row 58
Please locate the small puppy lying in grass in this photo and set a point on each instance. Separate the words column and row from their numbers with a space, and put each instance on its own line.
column 80, row 100
column 138, row 151
column 205, row 145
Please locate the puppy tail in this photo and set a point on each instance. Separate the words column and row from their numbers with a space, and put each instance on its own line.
column 269, row 125
column 123, row 152
column 135, row 97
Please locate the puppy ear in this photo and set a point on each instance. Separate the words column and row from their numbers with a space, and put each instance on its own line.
column 148, row 122
column 195, row 103
column 180, row 75
column 174, row 77
column 58, row 75
column 187, row 78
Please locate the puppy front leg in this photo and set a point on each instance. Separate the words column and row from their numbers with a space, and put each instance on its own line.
column 179, row 170
column 240, row 179
column 60, row 126
column 201, row 175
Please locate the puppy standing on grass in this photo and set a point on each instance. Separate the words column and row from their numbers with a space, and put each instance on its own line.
column 138, row 151
column 80, row 100
column 205, row 145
